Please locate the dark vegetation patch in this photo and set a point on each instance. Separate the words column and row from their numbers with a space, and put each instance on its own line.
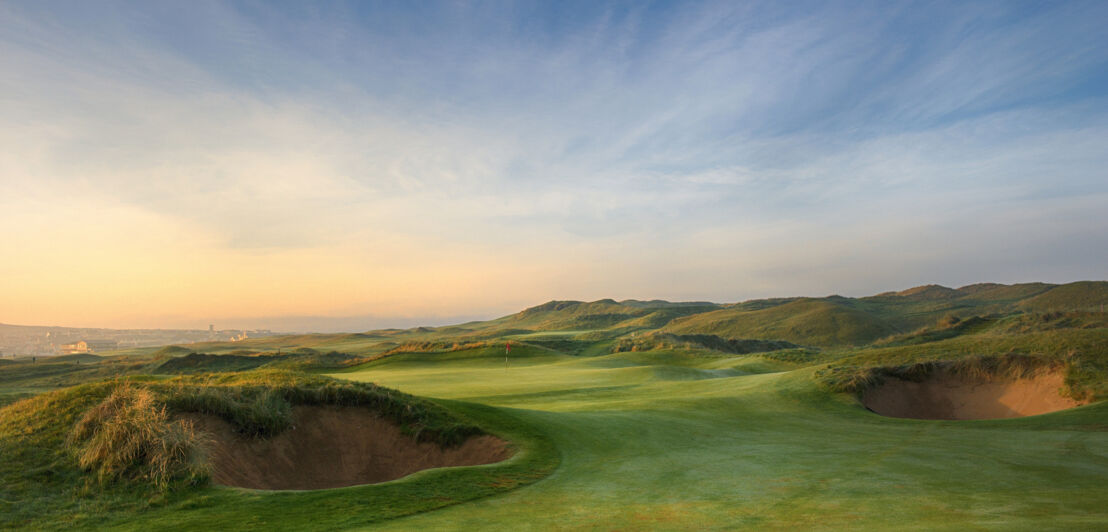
column 699, row 306
column 661, row 340
column 1049, row 321
column 171, row 350
column 793, row 356
column 949, row 326
column 812, row 322
column 762, row 304
column 82, row 358
column 569, row 346
column 441, row 346
column 199, row 362
column 602, row 314
column 1082, row 295
column 489, row 334
column 301, row 359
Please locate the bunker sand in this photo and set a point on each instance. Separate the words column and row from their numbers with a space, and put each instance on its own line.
column 945, row 395
column 331, row 447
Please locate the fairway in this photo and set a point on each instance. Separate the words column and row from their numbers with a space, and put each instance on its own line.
column 547, row 265
column 602, row 415
column 647, row 444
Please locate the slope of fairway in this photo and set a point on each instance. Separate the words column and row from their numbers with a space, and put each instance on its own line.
column 766, row 451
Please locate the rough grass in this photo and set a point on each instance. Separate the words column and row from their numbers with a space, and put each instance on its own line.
column 441, row 346
column 1050, row 321
column 858, row 379
column 299, row 359
column 260, row 403
column 1082, row 295
column 757, row 441
column 1081, row 353
column 949, row 326
column 126, row 428
column 810, row 322
column 663, row 340
column 130, row 435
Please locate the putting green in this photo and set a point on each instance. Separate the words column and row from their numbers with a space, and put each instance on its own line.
column 676, row 442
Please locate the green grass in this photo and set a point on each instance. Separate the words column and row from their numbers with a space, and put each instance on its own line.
column 44, row 486
column 1082, row 352
column 642, row 450
column 807, row 322
column 685, row 432
column 131, row 436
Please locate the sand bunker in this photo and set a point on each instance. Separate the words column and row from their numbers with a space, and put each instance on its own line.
column 331, row 447
column 948, row 396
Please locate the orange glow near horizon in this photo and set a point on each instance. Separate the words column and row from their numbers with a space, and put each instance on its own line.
column 166, row 166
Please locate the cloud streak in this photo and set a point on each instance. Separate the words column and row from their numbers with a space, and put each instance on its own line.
column 466, row 159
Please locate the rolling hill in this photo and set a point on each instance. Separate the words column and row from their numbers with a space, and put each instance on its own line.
column 782, row 413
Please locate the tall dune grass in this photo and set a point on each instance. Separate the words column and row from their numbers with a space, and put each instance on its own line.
column 130, row 435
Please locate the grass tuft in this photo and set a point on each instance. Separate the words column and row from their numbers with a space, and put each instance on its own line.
column 130, row 435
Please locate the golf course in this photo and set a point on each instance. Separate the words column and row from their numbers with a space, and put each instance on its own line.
column 605, row 415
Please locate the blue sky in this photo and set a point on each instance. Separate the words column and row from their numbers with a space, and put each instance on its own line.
column 440, row 159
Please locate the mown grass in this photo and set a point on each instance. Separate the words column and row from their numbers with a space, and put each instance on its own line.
column 735, row 450
column 673, row 436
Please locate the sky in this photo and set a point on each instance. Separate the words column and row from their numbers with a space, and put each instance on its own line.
column 351, row 165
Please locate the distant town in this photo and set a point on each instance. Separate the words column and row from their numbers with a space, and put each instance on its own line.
column 43, row 341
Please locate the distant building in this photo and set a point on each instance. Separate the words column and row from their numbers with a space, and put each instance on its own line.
column 88, row 346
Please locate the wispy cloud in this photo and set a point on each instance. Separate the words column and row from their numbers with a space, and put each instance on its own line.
column 718, row 150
